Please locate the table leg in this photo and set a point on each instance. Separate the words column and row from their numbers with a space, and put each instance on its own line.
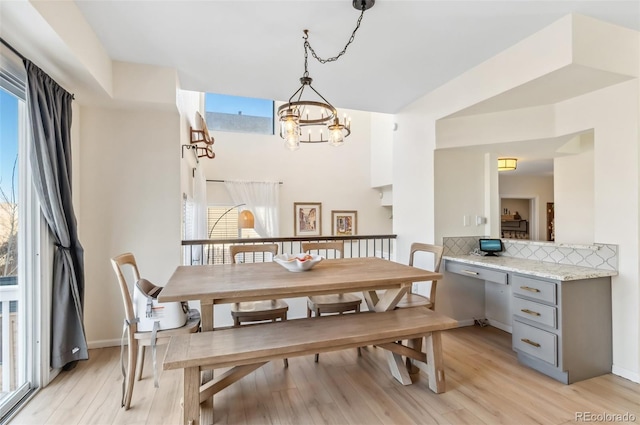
column 387, row 302
column 371, row 298
column 206, row 313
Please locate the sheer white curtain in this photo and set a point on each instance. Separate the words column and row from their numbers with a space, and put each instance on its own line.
column 261, row 198
column 196, row 213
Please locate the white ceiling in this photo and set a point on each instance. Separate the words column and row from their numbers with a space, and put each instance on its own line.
column 403, row 50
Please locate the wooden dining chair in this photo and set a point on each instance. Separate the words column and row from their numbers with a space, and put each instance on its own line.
column 332, row 303
column 262, row 310
column 138, row 340
column 412, row 299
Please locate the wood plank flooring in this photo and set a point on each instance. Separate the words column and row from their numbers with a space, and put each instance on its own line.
column 485, row 385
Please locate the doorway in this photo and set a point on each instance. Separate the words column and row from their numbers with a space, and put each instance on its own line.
column 518, row 219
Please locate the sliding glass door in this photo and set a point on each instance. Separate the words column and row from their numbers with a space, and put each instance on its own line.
column 18, row 276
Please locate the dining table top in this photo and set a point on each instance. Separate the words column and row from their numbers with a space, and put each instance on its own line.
column 230, row 283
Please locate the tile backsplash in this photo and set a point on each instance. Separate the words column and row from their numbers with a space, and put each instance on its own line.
column 597, row 256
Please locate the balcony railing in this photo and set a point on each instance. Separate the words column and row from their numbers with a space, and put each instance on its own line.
column 216, row 251
column 8, row 332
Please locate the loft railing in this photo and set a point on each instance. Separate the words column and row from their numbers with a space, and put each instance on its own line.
column 216, row 251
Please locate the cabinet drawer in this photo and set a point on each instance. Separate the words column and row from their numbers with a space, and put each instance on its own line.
column 477, row 272
column 534, row 311
column 534, row 288
column 535, row 342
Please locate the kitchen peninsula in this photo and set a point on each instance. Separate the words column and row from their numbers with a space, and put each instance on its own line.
column 559, row 314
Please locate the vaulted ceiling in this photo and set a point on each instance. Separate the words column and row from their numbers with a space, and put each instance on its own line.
column 403, row 49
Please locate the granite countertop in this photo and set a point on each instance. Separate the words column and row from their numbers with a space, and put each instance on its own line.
column 555, row 271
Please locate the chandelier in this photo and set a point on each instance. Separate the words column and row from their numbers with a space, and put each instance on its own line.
column 316, row 121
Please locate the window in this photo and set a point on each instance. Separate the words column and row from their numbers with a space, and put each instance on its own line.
column 20, row 355
column 222, row 222
column 8, row 187
column 238, row 114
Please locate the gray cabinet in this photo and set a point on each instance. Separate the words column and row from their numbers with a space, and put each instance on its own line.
column 497, row 292
column 563, row 329
column 490, row 275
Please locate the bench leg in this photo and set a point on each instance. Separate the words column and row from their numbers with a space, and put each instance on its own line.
column 191, row 409
column 435, row 364
column 398, row 368
column 206, row 412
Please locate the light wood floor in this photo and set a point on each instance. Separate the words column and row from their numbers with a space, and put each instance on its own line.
column 485, row 385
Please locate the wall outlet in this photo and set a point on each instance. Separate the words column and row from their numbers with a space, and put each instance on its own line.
column 466, row 220
column 480, row 220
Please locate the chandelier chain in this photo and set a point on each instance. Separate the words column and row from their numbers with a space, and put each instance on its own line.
column 334, row 58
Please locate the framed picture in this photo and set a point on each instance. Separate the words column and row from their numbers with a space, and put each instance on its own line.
column 344, row 223
column 307, row 218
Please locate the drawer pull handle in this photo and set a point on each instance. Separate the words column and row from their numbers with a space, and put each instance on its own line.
column 531, row 312
column 528, row 341
column 470, row 272
column 530, row 289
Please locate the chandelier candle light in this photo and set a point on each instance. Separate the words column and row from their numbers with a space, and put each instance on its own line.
column 298, row 114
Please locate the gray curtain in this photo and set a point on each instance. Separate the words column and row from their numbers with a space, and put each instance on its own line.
column 49, row 108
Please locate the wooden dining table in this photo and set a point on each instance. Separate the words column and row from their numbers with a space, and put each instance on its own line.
column 382, row 282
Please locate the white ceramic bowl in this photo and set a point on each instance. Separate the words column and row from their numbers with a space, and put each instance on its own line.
column 297, row 262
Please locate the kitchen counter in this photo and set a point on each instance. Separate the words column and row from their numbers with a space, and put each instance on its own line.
column 556, row 271
column 559, row 314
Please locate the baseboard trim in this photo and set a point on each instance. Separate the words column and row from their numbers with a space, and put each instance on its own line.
column 104, row 343
column 627, row 374
column 500, row 325
column 467, row 322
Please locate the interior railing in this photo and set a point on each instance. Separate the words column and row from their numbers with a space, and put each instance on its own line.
column 216, row 251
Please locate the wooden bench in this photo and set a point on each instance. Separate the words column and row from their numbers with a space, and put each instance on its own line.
column 247, row 348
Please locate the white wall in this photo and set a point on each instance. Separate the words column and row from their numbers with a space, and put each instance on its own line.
column 459, row 198
column 129, row 202
column 614, row 114
column 339, row 178
column 413, row 181
column 189, row 103
column 382, row 129
column 574, row 195
column 519, row 206
column 496, row 127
